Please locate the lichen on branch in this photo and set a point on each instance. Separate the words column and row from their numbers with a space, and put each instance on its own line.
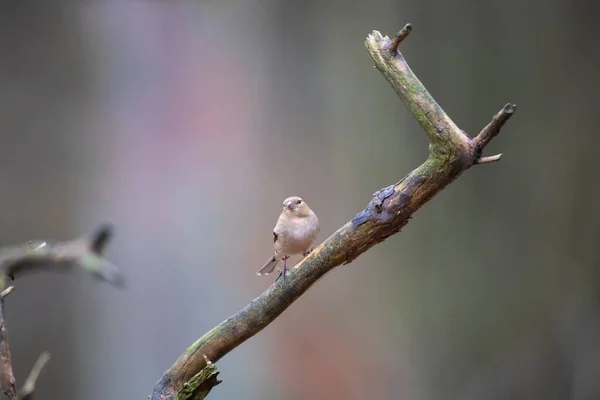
column 451, row 152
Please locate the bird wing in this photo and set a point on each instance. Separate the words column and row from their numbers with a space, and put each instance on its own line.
column 279, row 229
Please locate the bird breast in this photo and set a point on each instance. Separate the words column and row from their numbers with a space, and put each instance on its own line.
column 297, row 236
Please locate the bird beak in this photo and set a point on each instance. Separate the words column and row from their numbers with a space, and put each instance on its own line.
column 289, row 205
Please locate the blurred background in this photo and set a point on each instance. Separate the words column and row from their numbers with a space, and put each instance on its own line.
column 186, row 124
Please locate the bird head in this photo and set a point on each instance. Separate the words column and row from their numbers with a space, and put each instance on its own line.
column 296, row 206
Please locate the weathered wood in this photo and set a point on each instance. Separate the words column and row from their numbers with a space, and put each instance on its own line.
column 451, row 152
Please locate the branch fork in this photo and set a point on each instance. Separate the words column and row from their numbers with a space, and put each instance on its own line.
column 451, row 153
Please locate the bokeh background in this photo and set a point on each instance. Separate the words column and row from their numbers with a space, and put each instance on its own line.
column 186, row 124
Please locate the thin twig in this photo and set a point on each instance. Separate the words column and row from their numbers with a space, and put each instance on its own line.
column 487, row 160
column 493, row 128
column 28, row 388
column 451, row 153
column 400, row 36
column 7, row 291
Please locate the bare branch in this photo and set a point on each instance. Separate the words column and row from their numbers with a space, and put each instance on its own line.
column 83, row 252
column 400, row 36
column 7, row 291
column 487, row 160
column 493, row 128
column 100, row 240
column 7, row 378
column 451, row 153
column 29, row 387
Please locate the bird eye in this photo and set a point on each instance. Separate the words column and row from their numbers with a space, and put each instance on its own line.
column 298, row 201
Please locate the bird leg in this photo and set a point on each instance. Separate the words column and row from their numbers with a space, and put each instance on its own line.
column 284, row 270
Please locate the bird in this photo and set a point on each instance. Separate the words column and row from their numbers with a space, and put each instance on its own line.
column 295, row 232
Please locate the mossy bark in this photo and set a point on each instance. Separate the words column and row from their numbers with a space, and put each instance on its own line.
column 451, row 153
column 198, row 387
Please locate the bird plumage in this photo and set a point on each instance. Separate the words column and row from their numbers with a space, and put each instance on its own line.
column 295, row 232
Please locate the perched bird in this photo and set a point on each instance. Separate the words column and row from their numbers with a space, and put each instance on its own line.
column 295, row 232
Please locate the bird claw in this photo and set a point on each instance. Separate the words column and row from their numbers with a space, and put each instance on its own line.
column 282, row 274
column 283, row 270
column 307, row 252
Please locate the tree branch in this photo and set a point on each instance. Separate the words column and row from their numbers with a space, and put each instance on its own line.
column 451, row 152
column 400, row 36
column 492, row 129
column 29, row 387
column 84, row 252
column 489, row 159
column 8, row 389
column 7, row 379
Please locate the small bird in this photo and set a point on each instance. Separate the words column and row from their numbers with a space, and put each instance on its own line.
column 295, row 232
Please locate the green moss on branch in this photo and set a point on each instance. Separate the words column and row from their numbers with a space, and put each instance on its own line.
column 198, row 387
column 451, row 153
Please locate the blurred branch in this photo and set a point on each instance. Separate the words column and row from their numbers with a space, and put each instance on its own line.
column 29, row 387
column 84, row 252
column 7, row 291
column 451, row 152
column 7, row 379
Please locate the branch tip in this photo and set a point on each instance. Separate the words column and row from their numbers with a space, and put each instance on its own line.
column 492, row 129
column 100, row 238
column 400, row 36
column 30, row 382
column 7, row 291
column 489, row 159
column 510, row 108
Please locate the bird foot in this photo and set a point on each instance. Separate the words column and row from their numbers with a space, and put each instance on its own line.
column 282, row 273
column 284, row 269
column 307, row 252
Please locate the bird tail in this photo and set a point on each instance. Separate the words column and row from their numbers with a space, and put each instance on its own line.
column 268, row 267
